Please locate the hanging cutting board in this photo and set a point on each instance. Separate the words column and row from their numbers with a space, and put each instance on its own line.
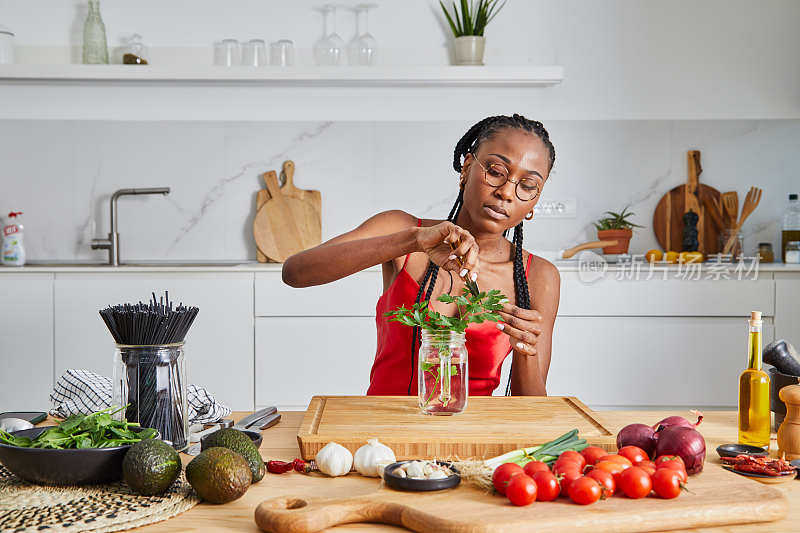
column 668, row 216
column 305, row 206
column 275, row 229
column 488, row 427
column 717, row 498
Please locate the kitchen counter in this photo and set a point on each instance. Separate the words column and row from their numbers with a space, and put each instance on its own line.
column 280, row 443
column 254, row 266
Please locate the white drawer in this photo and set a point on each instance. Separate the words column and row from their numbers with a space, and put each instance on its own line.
column 354, row 295
column 671, row 297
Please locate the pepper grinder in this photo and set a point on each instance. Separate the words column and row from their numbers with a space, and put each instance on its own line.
column 789, row 432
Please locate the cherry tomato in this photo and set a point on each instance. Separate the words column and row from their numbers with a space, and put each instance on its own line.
column 535, row 466
column 566, row 462
column 667, row 483
column 669, row 460
column 593, row 453
column 618, row 458
column 521, row 490
column 503, row 474
column 567, row 475
column 680, row 471
column 647, row 466
column 612, row 467
column 635, row 483
column 574, row 456
column 547, row 487
column 606, row 481
column 634, row 454
column 584, row 491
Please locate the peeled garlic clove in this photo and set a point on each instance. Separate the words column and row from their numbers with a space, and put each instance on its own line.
column 14, row 424
column 415, row 469
column 437, row 475
column 399, row 472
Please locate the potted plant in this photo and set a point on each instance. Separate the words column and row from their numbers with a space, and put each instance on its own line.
column 468, row 26
column 616, row 227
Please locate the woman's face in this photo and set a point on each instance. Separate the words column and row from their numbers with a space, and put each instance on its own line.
column 518, row 154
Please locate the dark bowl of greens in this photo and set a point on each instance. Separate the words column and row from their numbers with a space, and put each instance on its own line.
column 81, row 450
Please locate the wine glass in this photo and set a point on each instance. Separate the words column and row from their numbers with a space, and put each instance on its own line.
column 328, row 50
column 363, row 47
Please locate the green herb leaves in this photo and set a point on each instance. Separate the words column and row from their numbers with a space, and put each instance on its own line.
column 471, row 309
column 96, row 430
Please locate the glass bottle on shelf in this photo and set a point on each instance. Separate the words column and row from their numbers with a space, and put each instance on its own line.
column 328, row 50
column 135, row 51
column 95, row 47
column 363, row 47
column 791, row 224
column 754, row 415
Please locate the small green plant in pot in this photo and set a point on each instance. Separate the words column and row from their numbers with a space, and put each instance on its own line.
column 616, row 227
column 468, row 25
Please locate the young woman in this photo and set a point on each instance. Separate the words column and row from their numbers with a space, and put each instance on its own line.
column 502, row 163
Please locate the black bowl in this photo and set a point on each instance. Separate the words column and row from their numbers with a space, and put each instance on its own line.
column 404, row 483
column 777, row 381
column 255, row 436
column 732, row 450
column 86, row 466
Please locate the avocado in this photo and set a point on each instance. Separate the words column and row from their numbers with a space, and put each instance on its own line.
column 150, row 466
column 239, row 442
column 219, row 475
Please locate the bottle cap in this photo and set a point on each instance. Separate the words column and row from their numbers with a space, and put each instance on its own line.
column 755, row 315
column 765, row 244
column 793, row 196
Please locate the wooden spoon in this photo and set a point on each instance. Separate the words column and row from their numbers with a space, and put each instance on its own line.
column 750, row 203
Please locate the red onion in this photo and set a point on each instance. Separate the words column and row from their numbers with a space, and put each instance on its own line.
column 679, row 421
column 685, row 442
column 639, row 435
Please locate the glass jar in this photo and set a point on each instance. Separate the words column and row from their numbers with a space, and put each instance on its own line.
column 135, row 52
column 151, row 380
column 738, row 243
column 442, row 375
column 765, row 252
column 793, row 252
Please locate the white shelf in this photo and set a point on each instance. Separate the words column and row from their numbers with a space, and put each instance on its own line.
column 506, row 76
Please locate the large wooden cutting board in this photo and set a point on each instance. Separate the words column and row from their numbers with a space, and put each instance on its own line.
column 717, row 498
column 490, row 426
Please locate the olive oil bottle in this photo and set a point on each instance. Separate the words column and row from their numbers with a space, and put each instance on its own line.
column 754, row 416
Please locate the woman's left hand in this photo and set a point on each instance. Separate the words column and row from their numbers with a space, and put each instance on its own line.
column 523, row 326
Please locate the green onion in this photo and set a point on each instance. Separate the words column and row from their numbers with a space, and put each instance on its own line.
column 547, row 452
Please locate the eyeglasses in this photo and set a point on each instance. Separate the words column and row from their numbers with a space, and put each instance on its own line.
column 497, row 175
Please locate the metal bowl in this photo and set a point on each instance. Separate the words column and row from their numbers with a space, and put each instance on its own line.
column 86, row 466
column 404, row 483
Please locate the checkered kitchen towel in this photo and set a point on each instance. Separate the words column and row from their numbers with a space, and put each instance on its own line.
column 84, row 392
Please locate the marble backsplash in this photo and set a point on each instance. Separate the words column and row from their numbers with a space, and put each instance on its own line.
column 62, row 173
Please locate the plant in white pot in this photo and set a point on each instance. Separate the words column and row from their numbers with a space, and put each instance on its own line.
column 468, row 26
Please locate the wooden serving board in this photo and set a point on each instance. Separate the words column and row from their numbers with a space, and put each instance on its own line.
column 490, row 426
column 717, row 498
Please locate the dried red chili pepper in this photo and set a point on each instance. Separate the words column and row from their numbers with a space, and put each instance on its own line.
column 302, row 466
column 279, row 467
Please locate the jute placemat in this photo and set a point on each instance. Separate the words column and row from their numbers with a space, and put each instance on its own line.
column 25, row 507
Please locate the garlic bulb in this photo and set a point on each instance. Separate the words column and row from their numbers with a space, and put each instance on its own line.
column 14, row 424
column 369, row 457
column 334, row 459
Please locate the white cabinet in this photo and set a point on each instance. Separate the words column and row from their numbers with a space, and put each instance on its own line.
column 787, row 308
column 650, row 361
column 26, row 341
column 219, row 346
column 354, row 295
column 297, row 358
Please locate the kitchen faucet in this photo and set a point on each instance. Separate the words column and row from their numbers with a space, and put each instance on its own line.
column 112, row 242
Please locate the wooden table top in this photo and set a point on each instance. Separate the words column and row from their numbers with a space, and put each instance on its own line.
column 280, row 442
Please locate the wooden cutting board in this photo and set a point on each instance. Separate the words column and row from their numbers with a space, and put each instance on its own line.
column 284, row 225
column 490, row 426
column 668, row 216
column 717, row 498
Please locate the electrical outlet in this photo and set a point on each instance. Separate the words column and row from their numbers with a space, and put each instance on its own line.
column 556, row 208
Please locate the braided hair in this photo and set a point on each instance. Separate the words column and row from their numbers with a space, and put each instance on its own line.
column 469, row 143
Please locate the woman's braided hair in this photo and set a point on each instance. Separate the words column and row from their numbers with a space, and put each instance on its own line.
column 469, row 143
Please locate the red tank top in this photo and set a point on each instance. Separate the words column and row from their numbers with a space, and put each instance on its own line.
column 486, row 345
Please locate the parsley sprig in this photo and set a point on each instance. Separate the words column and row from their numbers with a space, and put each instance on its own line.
column 471, row 309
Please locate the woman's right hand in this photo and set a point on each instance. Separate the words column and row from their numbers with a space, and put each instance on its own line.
column 435, row 241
